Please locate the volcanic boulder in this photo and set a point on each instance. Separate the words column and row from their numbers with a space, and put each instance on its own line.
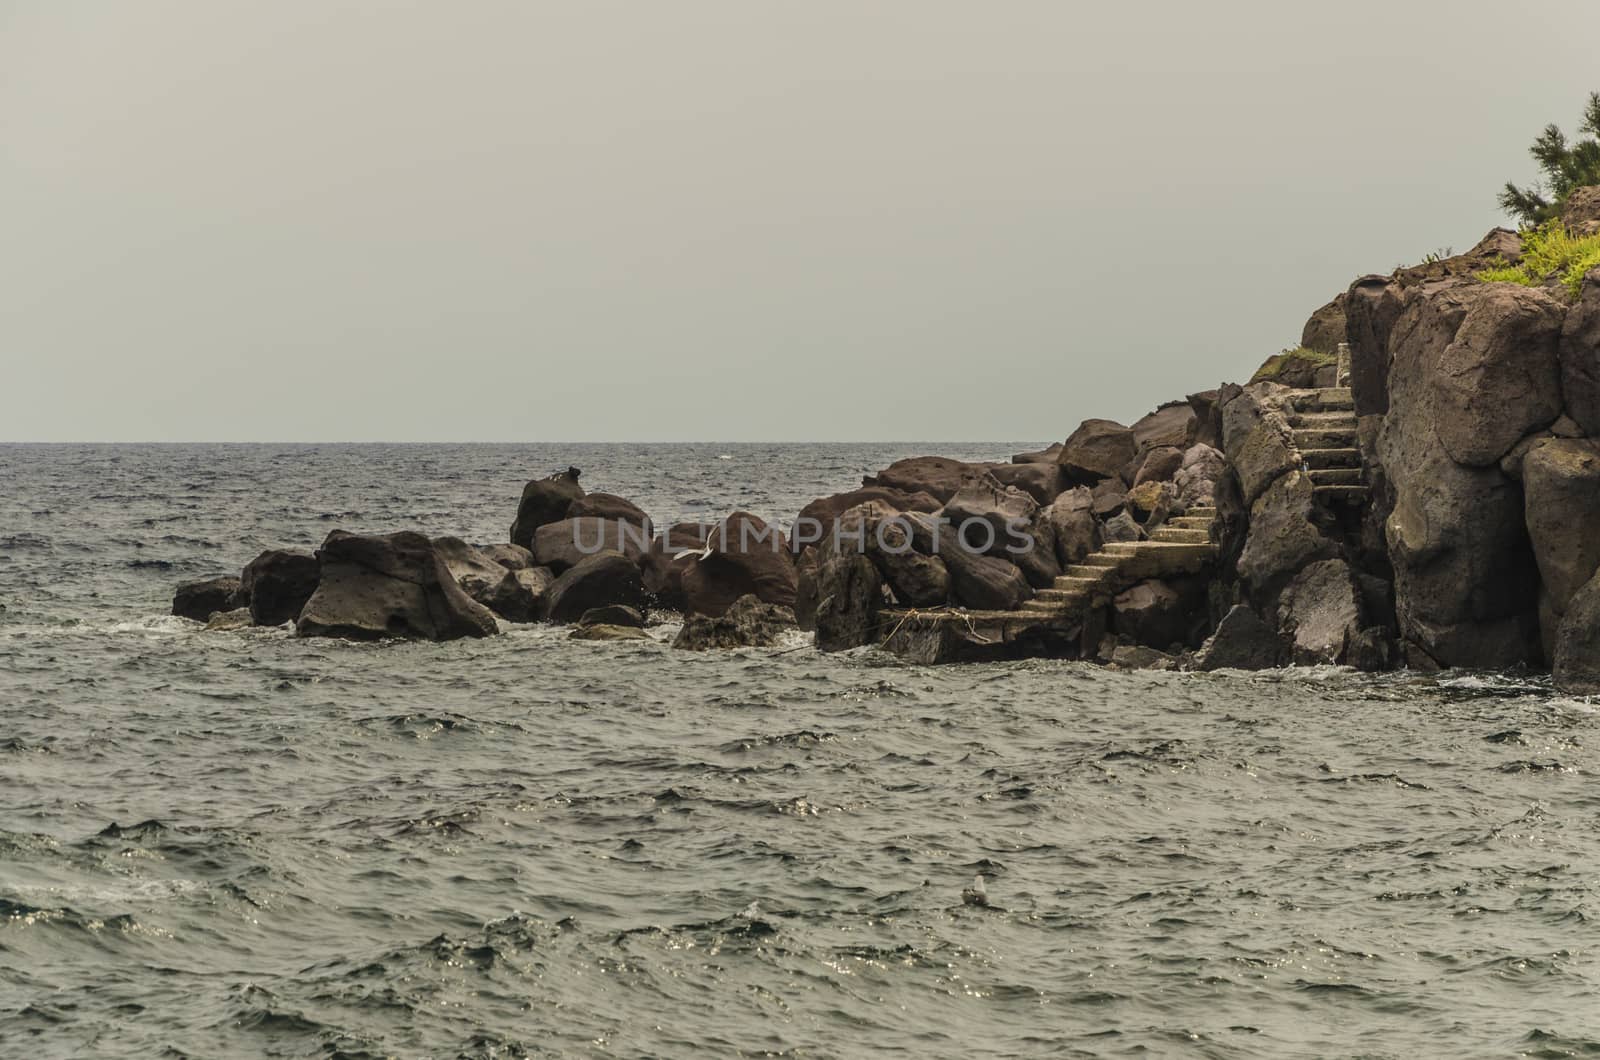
column 200, row 600
column 544, row 501
column 277, row 585
column 600, row 580
column 1097, row 449
column 394, row 585
column 746, row 556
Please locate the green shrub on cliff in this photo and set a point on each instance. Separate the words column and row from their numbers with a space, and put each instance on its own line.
column 1566, row 166
column 1549, row 250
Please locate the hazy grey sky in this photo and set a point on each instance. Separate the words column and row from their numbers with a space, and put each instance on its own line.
column 721, row 219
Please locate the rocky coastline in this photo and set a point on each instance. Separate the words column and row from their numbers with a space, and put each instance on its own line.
column 1416, row 485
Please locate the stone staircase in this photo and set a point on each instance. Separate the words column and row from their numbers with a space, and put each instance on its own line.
column 1324, row 426
column 1182, row 545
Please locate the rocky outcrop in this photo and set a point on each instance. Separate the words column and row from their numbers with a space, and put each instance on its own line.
column 602, row 580
column 1256, row 437
column 1581, row 211
column 1070, row 525
column 1283, row 537
column 747, row 623
column 747, row 557
column 200, row 600
column 1371, row 307
column 1097, row 449
column 394, row 585
column 544, row 501
column 277, row 585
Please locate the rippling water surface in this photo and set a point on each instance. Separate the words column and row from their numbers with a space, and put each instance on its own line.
column 250, row 845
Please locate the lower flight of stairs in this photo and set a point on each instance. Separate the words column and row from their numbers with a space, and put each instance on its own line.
column 1324, row 426
column 1181, row 545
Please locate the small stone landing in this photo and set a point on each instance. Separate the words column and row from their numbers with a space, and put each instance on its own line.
column 1324, row 427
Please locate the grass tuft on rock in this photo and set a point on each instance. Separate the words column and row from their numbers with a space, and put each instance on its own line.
column 1549, row 250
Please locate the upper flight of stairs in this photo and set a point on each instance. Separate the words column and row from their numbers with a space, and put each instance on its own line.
column 1324, row 425
column 1179, row 546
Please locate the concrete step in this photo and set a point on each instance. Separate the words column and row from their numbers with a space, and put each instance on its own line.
column 1174, row 533
column 1037, row 606
column 1328, row 399
column 1206, row 512
column 1084, row 570
column 1099, row 559
column 1325, row 420
column 1157, row 548
column 1317, row 438
column 1341, row 494
column 1316, row 458
column 1184, row 522
column 1068, row 584
column 1336, row 476
column 1059, row 597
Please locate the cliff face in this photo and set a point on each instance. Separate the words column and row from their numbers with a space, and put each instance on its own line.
column 1481, row 443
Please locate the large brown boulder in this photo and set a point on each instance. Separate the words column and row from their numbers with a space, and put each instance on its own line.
column 1327, row 328
column 608, row 506
column 277, row 585
column 747, row 556
column 1196, row 480
column 393, row 585
column 1283, row 536
column 1372, row 306
column 486, row 581
column 1561, row 479
column 916, row 579
column 1576, row 663
column 1160, row 464
column 1500, row 376
column 988, row 516
column 747, row 623
column 597, row 581
column 1242, row 641
column 1321, row 612
column 1208, row 417
column 200, row 600
column 1039, row 480
column 1158, row 614
column 544, row 501
column 849, row 597
column 567, row 542
column 511, row 557
column 1097, row 449
column 1580, row 356
column 1256, row 439
column 983, row 582
column 816, row 520
column 670, row 557
column 1072, row 527
column 1173, row 426
column 939, row 476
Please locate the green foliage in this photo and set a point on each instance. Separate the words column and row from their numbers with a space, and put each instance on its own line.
column 1302, row 358
column 1549, row 250
column 1565, row 166
column 1438, row 255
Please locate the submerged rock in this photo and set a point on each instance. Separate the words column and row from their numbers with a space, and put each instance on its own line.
column 746, row 623
column 394, row 585
column 238, row 618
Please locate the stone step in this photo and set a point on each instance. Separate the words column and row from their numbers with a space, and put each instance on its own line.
column 1124, row 549
column 1058, row 597
column 1084, row 570
column 1045, row 607
column 1318, row 438
column 1336, row 476
column 1331, row 458
column 1068, row 584
column 1184, row 522
column 1324, row 420
column 1341, row 494
column 1329, row 399
column 1206, row 512
column 1100, row 559
column 1174, row 533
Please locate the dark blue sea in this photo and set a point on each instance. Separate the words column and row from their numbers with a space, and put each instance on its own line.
column 248, row 845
